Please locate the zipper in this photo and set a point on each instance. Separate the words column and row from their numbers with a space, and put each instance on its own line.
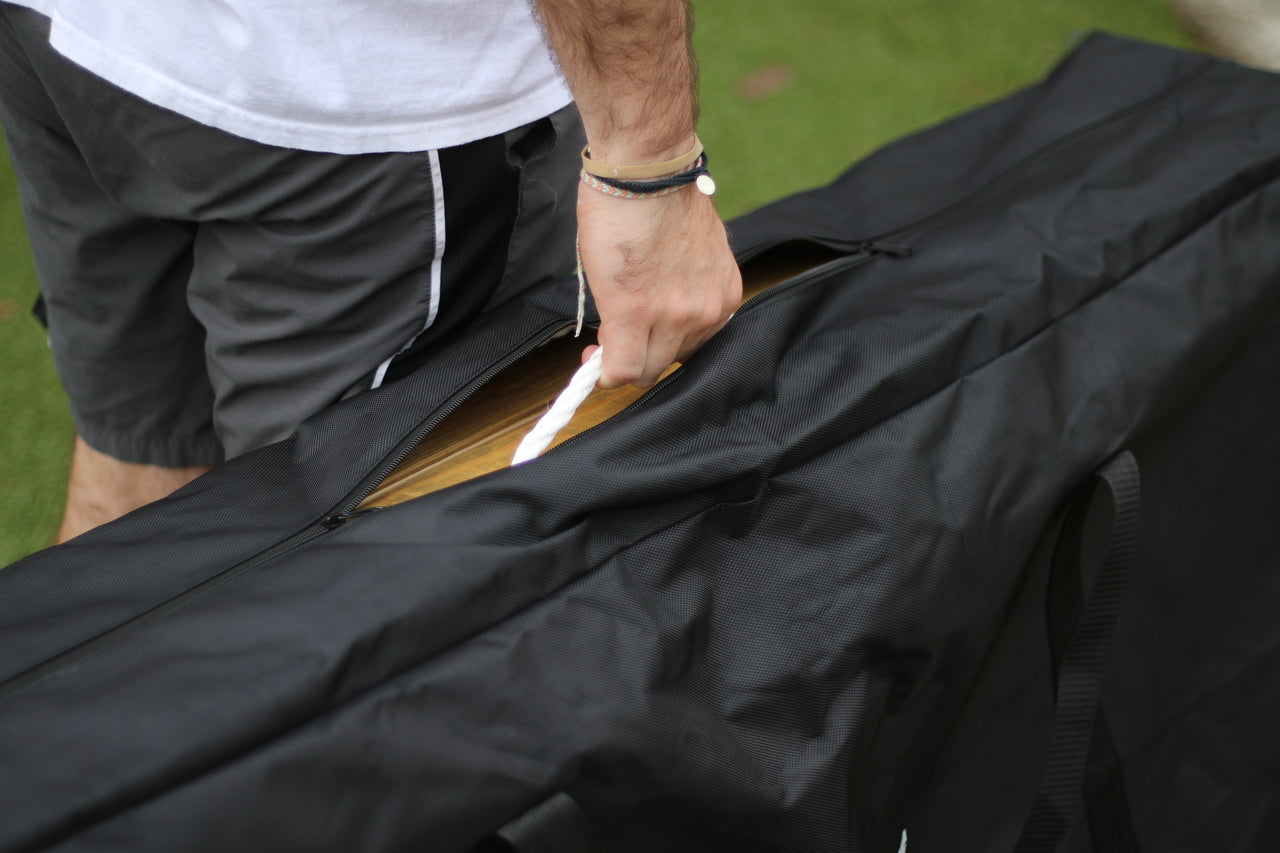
column 858, row 253
column 76, row 653
column 346, row 513
column 890, row 238
column 861, row 252
column 406, row 447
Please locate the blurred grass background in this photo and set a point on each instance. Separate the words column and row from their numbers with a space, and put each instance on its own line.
column 792, row 93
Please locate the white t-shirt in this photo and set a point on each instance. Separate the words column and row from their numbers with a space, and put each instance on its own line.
column 344, row 76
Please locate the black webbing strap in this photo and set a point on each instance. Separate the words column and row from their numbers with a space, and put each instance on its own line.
column 556, row 825
column 1105, row 796
column 1082, row 661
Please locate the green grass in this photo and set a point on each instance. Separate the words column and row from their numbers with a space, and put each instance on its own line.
column 864, row 72
column 35, row 427
column 791, row 94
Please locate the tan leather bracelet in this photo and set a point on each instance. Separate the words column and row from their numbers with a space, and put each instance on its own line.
column 642, row 173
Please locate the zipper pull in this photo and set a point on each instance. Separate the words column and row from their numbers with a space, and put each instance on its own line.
column 338, row 519
column 877, row 248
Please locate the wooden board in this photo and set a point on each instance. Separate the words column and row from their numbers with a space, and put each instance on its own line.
column 481, row 435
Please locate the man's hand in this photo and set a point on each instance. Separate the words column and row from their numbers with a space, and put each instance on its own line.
column 662, row 276
column 660, row 269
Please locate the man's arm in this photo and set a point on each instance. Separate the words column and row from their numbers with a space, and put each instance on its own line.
column 660, row 269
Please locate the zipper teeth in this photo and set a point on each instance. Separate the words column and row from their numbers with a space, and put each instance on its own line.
column 327, row 523
column 366, row 488
column 973, row 195
column 863, row 251
column 76, row 653
column 860, row 256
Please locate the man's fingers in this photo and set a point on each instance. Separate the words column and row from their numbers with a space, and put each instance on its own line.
column 641, row 359
column 664, row 346
column 662, row 276
column 644, row 342
column 626, row 353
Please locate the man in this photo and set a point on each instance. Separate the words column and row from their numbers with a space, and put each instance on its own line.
column 242, row 210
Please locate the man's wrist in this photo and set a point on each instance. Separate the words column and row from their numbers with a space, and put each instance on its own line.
column 635, row 185
column 642, row 171
column 627, row 149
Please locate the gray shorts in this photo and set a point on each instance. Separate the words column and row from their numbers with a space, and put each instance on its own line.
column 204, row 293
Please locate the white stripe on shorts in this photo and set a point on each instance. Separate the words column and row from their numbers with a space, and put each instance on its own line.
column 437, row 259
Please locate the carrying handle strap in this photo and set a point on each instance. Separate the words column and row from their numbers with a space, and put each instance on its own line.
column 1082, row 662
column 556, row 825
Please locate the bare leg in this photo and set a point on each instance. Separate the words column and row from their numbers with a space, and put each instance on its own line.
column 103, row 488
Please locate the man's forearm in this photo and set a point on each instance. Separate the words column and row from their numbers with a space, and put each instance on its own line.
column 631, row 68
column 659, row 266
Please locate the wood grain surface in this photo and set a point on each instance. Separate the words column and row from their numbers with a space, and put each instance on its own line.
column 481, row 435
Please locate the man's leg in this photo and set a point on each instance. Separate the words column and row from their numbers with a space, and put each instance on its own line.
column 171, row 254
column 102, row 488
column 113, row 288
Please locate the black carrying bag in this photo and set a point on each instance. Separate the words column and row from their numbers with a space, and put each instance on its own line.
column 851, row 571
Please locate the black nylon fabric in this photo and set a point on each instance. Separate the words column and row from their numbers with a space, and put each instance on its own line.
column 935, row 168
column 49, row 602
column 774, row 606
column 1190, row 696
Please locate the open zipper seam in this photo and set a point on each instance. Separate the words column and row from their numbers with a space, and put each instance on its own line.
column 1055, row 320
column 782, row 290
column 328, row 522
column 370, row 484
column 1009, row 172
column 344, row 512
column 870, row 248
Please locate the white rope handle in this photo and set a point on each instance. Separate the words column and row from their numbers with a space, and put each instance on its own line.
column 562, row 410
